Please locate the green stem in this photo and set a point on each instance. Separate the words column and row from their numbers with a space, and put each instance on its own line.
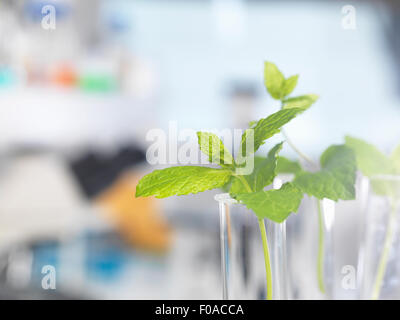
column 385, row 253
column 266, row 258
column 321, row 236
column 245, row 183
column 321, row 254
column 297, row 150
column 261, row 224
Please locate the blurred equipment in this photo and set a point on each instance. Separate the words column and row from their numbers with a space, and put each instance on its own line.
column 39, row 197
column 96, row 171
column 106, row 180
column 138, row 219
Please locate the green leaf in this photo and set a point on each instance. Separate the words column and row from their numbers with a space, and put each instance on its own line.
column 369, row 159
column 395, row 158
column 335, row 180
column 262, row 175
column 252, row 123
column 227, row 186
column 285, row 165
column 214, row 148
column 289, row 85
column 372, row 163
column 386, row 186
column 303, row 102
column 181, row 180
column 275, row 205
column 264, row 172
column 273, row 80
column 267, row 127
column 237, row 185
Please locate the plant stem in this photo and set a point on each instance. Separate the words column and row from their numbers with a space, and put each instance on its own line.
column 321, row 249
column 266, row 258
column 385, row 253
column 297, row 150
column 245, row 183
column 321, row 235
column 261, row 224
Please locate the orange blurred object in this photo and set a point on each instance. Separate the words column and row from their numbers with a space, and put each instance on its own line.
column 138, row 219
column 64, row 76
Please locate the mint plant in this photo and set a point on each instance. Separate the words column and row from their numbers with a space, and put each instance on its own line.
column 383, row 172
column 333, row 178
column 246, row 188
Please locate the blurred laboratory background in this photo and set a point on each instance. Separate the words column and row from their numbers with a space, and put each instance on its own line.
column 81, row 87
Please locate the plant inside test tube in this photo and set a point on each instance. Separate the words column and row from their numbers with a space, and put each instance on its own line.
column 335, row 179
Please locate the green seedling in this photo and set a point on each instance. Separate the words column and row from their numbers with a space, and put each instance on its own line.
column 332, row 178
column 335, row 180
column 383, row 172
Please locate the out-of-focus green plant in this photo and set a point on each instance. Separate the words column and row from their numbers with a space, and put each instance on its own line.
column 383, row 172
